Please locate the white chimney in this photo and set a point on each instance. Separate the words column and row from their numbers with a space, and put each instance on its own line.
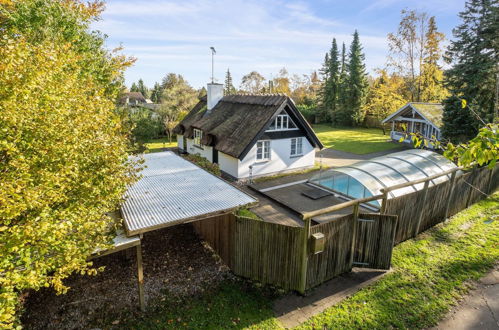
column 214, row 93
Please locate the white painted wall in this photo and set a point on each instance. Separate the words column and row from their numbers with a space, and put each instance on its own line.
column 180, row 142
column 280, row 159
column 228, row 164
column 206, row 152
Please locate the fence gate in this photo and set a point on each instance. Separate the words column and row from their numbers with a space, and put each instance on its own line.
column 374, row 236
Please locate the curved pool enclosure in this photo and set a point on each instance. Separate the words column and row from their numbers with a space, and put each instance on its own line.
column 367, row 178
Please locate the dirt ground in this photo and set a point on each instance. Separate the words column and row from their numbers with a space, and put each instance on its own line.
column 175, row 262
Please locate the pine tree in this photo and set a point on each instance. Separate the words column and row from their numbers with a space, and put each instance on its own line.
column 357, row 85
column 474, row 55
column 134, row 88
column 343, row 83
column 322, row 108
column 229, row 87
column 459, row 123
column 141, row 87
column 156, row 93
column 332, row 86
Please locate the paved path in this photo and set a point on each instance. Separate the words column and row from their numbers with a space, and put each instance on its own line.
column 293, row 309
column 479, row 309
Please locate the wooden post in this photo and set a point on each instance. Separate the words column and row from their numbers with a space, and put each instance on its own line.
column 354, row 232
column 304, row 256
column 422, row 206
column 384, row 201
column 450, row 196
column 140, row 278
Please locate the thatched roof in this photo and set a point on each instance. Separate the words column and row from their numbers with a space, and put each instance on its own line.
column 132, row 97
column 237, row 121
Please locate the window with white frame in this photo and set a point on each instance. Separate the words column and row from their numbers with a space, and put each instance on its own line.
column 198, row 135
column 297, row 146
column 281, row 123
column 263, row 150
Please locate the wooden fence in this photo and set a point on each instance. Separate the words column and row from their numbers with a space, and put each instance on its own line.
column 282, row 255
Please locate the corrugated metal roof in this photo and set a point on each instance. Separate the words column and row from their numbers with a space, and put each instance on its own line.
column 173, row 190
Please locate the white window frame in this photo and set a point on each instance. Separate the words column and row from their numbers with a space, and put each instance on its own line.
column 198, row 135
column 296, row 147
column 283, row 120
column 262, row 150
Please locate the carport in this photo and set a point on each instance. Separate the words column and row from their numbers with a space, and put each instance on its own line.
column 171, row 191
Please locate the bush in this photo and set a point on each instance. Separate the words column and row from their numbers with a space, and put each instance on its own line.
column 308, row 111
column 204, row 164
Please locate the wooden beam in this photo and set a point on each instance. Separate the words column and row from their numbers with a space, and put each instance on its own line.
column 304, row 256
column 140, row 279
column 307, row 215
column 422, row 207
column 383, row 202
column 354, row 232
column 412, row 120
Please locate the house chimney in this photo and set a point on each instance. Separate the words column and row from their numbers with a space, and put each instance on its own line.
column 214, row 93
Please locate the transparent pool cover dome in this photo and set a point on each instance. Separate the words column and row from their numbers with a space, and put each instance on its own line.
column 367, row 178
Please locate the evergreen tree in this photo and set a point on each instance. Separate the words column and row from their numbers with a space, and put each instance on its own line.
column 202, row 92
column 431, row 88
column 229, row 87
column 332, row 86
column 134, row 88
column 343, row 83
column 357, row 85
column 142, row 88
column 156, row 93
column 459, row 123
column 322, row 109
column 474, row 55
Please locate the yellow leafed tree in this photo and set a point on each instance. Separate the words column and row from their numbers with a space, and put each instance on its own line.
column 63, row 150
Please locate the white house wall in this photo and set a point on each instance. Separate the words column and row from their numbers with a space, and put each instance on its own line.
column 206, row 152
column 228, row 164
column 180, row 141
column 280, row 159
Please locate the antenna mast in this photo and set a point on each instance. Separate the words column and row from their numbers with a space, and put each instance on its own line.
column 213, row 52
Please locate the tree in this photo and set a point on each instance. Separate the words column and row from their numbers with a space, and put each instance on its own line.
column 141, row 87
column 343, row 82
column 333, row 83
column 430, row 81
column 178, row 98
column 459, row 124
column 281, row 82
column 357, row 85
column 134, row 88
column 63, row 148
column 253, row 83
column 385, row 95
column 229, row 88
column 474, row 56
column 156, row 93
column 202, row 92
column 322, row 113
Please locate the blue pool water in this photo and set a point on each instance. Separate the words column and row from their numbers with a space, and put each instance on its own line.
column 348, row 186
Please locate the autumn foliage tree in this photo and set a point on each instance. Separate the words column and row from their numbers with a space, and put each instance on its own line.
column 63, row 150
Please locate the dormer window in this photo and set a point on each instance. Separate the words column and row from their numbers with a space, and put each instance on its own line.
column 281, row 123
column 198, row 135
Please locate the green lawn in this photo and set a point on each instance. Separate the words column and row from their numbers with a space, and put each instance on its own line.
column 157, row 145
column 357, row 140
column 429, row 275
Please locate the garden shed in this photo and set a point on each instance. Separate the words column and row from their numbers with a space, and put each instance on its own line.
column 368, row 178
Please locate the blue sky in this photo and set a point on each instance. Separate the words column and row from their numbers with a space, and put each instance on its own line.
column 175, row 36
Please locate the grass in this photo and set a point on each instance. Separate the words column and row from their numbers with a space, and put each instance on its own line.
column 235, row 304
column 429, row 275
column 247, row 214
column 157, row 145
column 357, row 140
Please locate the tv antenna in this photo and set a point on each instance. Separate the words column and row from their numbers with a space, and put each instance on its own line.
column 213, row 52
